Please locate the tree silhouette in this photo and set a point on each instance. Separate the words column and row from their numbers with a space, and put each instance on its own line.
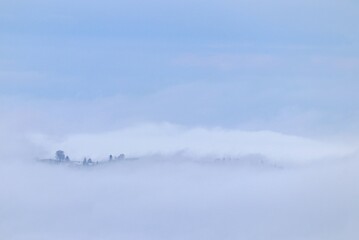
column 60, row 155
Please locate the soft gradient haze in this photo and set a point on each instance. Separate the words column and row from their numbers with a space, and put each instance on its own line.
column 242, row 117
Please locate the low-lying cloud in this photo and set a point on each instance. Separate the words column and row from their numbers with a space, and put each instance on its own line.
column 168, row 139
column 178, row 200
column 186, row 184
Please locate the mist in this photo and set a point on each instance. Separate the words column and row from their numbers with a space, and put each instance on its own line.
column 237, row 120
column 185, row 183
column 163, row 199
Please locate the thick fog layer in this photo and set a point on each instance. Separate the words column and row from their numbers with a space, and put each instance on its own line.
column 151, row 199
column 169, row 139
column 184, row 184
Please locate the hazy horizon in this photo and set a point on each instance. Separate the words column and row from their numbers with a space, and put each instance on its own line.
column 241, row 117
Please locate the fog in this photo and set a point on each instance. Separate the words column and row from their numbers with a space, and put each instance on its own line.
column 200, row 142
column 186, row 183
column 239, row 120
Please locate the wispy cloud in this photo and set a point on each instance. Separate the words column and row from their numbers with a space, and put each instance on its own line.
column 228, row 61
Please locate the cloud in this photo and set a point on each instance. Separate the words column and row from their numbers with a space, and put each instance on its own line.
column 178, row 200
column 98, row 78
column 343, row 63
column 300, row 106
column 228, row 61
column 23, row 79
column 168, row 139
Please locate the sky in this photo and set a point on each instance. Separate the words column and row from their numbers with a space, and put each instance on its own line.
column 242, row 116
column 256, row 65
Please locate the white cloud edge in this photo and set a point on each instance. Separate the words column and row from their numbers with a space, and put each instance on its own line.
column 169, row 139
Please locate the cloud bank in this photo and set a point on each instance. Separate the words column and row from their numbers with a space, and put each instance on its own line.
column 177, row 189
column 168, row 139
column 178, row 200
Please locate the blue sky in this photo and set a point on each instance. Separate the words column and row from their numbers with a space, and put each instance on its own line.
column 272, row 65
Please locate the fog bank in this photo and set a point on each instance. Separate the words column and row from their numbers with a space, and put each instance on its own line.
column 187, row 183
column 178, row 200
column 198, row 142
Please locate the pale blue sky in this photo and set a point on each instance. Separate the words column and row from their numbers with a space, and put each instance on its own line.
column 277, row 65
